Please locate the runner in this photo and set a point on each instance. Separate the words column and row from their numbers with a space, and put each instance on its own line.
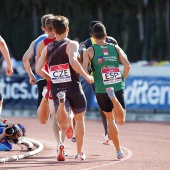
column 61, row 56
column 31, row 52
column 108, row 80
column 9, row 71
column 84, row 45
column 47, row 105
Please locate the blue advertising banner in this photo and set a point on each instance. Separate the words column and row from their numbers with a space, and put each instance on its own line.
column 141, row 92
column 148, row 93
column 17, row 92
column 145, row 93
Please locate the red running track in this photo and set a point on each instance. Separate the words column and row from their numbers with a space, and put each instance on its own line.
column 146, row 146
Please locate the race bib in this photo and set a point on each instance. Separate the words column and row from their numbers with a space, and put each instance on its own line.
column 60, row 73
column 111, row 75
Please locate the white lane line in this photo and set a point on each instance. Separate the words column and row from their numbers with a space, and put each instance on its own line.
column 129, row 154
column 28, row 154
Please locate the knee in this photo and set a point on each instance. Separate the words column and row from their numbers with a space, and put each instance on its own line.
column 79, row 117
column 64, row 127
column 120, row 122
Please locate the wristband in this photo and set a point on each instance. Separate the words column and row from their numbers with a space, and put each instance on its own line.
column 4, row 121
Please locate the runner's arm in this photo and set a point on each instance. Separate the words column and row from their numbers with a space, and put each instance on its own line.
column 40, row 65
column 27, row 56
column 123, row 59
column 40, row 47
column 6, row 55
column 72, row 51
column 86, row 59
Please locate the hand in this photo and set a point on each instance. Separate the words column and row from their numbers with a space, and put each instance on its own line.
column 32, row 80
column 9, row 71
column 90, row 79
column 9, row 124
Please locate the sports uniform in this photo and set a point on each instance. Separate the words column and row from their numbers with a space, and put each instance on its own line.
column 105, row 67
column 63, row 77
column 41, row 82
column 84, row 45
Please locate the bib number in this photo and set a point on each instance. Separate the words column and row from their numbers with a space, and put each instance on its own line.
column 111, row 76
column 60, row 73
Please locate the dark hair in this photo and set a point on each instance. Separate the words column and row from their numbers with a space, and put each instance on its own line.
column 99, row 31
column 48, row 23
column 60, row 24
column 92, row 24
column 43, row 19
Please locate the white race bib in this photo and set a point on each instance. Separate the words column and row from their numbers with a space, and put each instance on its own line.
column 111, row 75
column 60, row 73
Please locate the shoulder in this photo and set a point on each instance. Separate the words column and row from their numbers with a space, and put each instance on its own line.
column 40, row 38
column 73, row 43
column 40, row 44
column 85, row 44
column 111, row 40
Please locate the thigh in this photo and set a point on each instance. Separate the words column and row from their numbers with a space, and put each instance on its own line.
column 77, row 101
column 104, row 102
column 40, row 85
column 120, row 97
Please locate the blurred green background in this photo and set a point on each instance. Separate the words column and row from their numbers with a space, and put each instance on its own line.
column 141, row 27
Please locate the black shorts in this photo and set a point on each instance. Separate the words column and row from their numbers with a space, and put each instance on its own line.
column 0, row 96
column 75, row 98
column 106, row 104
column 40, row 85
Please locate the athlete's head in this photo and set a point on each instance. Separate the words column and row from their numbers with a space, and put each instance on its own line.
column 43, row 19
column 99, row 31
column 92, row 24
column 48, row 24
column 60, row 24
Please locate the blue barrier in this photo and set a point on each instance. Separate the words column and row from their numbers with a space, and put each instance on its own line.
column 141, row 92
column 145, row 93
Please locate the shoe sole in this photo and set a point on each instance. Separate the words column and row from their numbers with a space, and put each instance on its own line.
column 120, row 157
column 69, row 132
column 60, row 156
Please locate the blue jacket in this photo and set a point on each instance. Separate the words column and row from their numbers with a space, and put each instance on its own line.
column 4, row 145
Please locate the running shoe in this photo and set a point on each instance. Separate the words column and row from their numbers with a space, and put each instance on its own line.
column 73, row 139
column 110, row 92
column 106, row 140
column 61, row 96
column 69, row 132
column 120, row 154
column 61, row 156
column 81, row 157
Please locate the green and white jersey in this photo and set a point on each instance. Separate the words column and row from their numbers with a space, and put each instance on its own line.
column 105, row 67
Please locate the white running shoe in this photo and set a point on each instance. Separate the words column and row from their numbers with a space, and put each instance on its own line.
column 61, row 96
column 81, row 157
column 106, row 140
